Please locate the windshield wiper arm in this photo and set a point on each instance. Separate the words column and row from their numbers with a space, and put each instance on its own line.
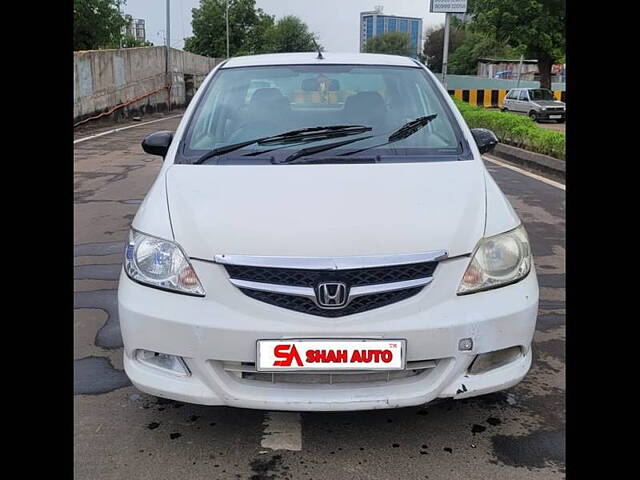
column 317, row 135
column 403, row 132
column 311, row 133
column 412, row 127
column 320, row 148
column 321, row 131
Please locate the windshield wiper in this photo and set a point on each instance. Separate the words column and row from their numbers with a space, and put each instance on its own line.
column 412, row 127
column 401, row 133
column 306, row 134
column 320, row 148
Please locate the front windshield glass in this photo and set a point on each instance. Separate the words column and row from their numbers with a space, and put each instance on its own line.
column 248, row 103
column 541, row 94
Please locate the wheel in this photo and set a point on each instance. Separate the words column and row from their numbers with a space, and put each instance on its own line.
column 533, row 116
column 504, row 109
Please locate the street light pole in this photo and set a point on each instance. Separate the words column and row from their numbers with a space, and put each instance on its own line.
column 520, row 70
column 121, row 11
column 168, row 29
column 445, row 53
column 227, row 28
column 168, row 53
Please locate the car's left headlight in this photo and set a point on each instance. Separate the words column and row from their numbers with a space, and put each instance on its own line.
column 498, row 261
column 160, row 263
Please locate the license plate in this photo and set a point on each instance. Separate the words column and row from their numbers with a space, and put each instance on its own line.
column 555, row 116
column 324, row 354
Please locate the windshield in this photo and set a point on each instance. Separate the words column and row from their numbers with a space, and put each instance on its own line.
column 248, row 103
column 540, row 94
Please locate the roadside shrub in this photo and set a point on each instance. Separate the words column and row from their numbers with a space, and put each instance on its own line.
column 513, row 129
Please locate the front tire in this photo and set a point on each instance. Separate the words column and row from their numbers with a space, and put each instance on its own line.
column 534, row 116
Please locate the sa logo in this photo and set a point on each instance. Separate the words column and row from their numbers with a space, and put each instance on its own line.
column 287, row 355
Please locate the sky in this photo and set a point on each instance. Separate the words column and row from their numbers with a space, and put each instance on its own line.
column 336, row 22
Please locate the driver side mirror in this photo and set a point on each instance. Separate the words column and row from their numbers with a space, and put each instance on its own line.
column 485, row 139
column 157, row 143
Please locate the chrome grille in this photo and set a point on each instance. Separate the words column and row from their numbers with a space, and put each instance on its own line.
column 300, row 283
column 310, row 278
column 306, row 305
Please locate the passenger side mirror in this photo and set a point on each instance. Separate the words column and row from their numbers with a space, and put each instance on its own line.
column 485, row 139
column 157, row 143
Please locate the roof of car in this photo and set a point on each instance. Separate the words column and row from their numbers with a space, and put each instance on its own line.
column 311, row 58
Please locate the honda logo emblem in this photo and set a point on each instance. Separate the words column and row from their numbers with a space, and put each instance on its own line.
column 332, row 295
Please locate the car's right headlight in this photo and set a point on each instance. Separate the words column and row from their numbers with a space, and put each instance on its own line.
column 160, row 263
column 497, row 261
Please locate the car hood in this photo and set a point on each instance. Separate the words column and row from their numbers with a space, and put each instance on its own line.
column 327, row 210
column 549, row 103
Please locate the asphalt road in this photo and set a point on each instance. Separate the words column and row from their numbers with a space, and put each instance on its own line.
column 121, row 433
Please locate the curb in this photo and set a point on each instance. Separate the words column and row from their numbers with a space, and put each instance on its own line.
column 533, row 161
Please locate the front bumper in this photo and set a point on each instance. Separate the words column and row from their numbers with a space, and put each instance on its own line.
column 223, row 327
column 546, row 115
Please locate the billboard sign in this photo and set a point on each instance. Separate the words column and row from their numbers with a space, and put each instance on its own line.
column 448, row 6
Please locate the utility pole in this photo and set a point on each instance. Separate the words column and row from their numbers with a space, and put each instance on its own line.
column 121, row 11
column 227, row 28
column 445, row 53
column 168, row 49
column 168, row 29
column 520, row 70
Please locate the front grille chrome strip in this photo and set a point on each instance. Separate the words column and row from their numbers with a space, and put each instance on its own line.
column 272, row 287
column 332, row 263
column 309, row 292
column 388, row 287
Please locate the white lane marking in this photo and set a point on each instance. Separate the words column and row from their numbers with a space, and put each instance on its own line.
column 527, row 173
column 123, row 128
column 282, row 431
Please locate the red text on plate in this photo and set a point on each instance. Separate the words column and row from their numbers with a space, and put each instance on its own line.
column 282, row 351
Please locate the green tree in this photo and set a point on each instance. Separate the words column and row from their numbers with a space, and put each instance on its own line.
column 536, row 26
column 476, row 45
column 247, row 28
column 129, row 41
column 392, row 43
column 97, row 24
column 434, row 43
column 289, row 34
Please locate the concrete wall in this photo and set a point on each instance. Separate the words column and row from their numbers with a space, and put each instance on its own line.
column 104, row 79
column 470, row 82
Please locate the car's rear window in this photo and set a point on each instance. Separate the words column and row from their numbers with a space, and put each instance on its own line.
column 242, row 104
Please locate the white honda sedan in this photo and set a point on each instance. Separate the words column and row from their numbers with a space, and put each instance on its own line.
column 323, row 235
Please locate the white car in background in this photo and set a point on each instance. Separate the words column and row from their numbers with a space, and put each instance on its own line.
column 537, row 103
column 354, row 256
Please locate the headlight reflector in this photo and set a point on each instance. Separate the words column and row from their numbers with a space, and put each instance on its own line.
column 160, row 263
column 498, row 261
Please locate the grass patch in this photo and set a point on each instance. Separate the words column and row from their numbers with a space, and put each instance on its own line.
column 513, row 129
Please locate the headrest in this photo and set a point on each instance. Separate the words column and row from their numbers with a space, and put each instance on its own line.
column 367, row 108
column 263, row 95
